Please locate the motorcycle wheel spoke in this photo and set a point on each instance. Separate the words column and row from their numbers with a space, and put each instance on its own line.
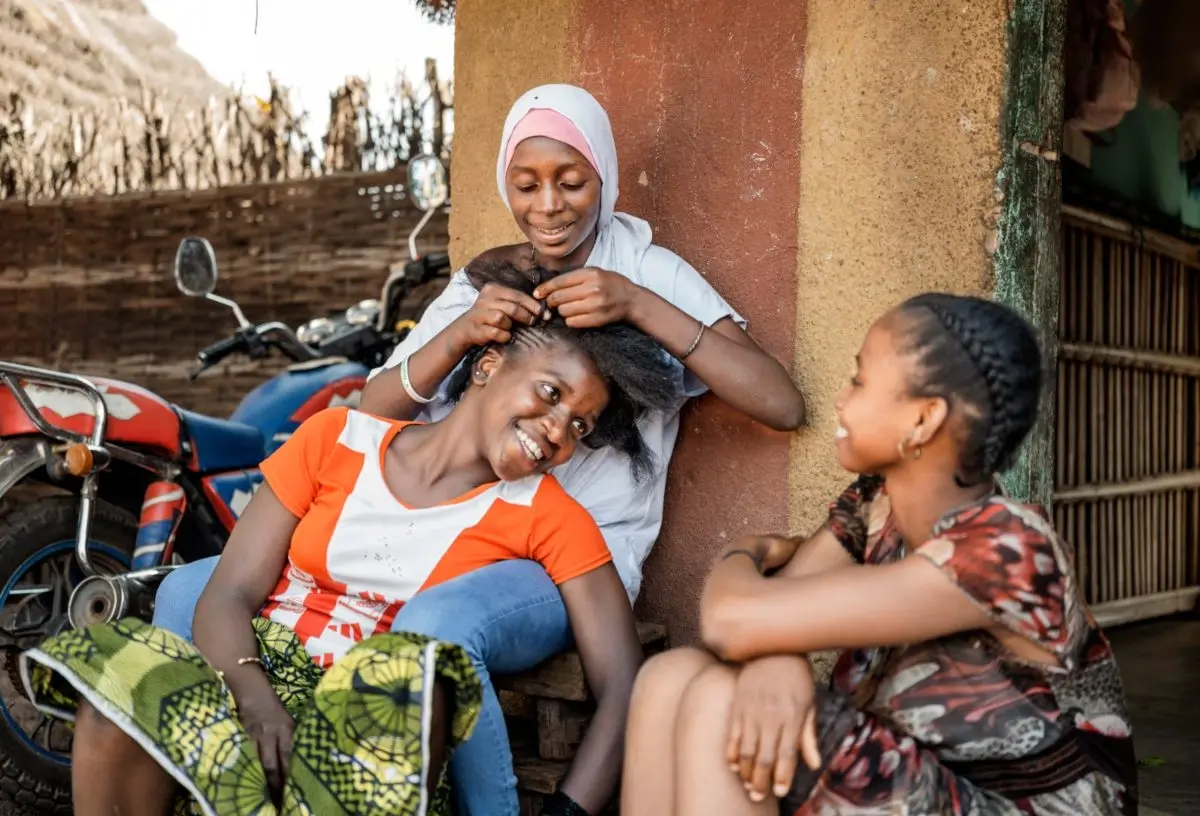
column 31, row 592
column 29, row 618
column 36, row 609
column 62, row 574
column 43, row 729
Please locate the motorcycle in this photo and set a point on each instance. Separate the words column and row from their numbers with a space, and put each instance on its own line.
column 105, row 487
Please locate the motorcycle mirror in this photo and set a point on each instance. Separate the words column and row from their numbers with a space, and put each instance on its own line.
column 195, row 267
column 427, row 186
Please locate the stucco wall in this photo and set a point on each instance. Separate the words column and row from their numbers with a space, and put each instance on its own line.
column 898, row 157
column 816, row 161
column 502, row 48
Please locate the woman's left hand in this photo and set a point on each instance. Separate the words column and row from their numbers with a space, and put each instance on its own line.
column 772, row 724
column 590, row 297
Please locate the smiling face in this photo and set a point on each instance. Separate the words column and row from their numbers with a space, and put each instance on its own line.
column 875, row 410
column 554, row 195
column 537, row 401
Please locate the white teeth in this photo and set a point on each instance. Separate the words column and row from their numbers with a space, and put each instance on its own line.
column 532, row 449
column 841, row 433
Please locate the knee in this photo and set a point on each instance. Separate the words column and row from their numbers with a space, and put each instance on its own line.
column 183, row 585
column 173, row 586
column 664, row 678
column 96, row 735
column 709, row 696
column 437, row 622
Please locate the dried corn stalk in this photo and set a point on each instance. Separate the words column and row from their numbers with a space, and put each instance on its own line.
column 144, row 143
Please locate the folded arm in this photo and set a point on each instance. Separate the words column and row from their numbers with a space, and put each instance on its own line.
column 744, row 615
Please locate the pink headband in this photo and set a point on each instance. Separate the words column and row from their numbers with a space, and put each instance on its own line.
column 553, row 125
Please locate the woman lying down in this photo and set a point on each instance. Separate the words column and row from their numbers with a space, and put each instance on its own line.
column 297, row 697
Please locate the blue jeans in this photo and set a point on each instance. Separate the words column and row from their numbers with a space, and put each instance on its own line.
column 508, row 616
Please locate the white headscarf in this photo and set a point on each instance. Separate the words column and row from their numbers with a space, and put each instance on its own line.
column 621, row 239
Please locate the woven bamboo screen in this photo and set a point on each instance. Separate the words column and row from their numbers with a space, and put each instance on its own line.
column 86, row 284
column 1128, row 458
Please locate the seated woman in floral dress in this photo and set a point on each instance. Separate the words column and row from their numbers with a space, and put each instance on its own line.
column 296, row 697
column 972, row 678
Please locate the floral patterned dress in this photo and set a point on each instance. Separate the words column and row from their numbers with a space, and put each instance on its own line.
column 960, row 725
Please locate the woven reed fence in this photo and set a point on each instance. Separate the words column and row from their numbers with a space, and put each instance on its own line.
column 1128, row 457
column 86, row 284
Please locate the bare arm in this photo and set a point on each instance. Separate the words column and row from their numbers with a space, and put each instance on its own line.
column 427, row 367
column 606, row 636
column 450, row 327
column 248, row 570
column 744, row 616
column 728, row 361
column 820, row 553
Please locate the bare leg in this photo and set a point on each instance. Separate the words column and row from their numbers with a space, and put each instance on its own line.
column 703, row 781
column 111, row 774
column 650, row 754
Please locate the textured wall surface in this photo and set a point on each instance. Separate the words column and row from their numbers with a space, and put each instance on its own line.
column 703, row 102
column 817, row 162
column 502, row 48
column 898, row 157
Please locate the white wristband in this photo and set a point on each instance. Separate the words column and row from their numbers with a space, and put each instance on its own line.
column 408, row 386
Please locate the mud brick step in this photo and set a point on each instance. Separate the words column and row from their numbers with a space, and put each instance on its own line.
column 517, row 705
column 541, row 776
column 562, row 678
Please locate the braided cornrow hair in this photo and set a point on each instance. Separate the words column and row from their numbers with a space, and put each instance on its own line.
column 637, row 370
column 983, row 358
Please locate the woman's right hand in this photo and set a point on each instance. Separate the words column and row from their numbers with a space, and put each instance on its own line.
column 492, row 317
column 771, row 551
column 270, row 726
column 772, row 724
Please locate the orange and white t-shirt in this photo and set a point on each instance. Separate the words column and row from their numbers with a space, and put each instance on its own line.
column 359, row 553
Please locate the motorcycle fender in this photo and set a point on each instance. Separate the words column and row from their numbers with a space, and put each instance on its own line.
column 19, row 458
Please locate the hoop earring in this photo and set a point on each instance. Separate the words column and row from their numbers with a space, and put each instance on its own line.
column 904, row 450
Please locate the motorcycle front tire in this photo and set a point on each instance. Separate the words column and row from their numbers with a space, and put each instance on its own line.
column 33, row 783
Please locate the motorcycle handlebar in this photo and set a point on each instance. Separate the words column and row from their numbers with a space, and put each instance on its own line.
column 251, row 340
column 218, row 351
column 437, row 260
column 283, row 338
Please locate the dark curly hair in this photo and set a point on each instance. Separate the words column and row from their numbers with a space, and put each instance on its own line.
column 984, row 359
column 639, row 373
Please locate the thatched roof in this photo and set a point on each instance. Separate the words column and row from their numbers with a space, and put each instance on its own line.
column 70, row 54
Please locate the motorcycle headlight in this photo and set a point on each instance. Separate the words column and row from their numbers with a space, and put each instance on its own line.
column 363, row 313
column 315, row 330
